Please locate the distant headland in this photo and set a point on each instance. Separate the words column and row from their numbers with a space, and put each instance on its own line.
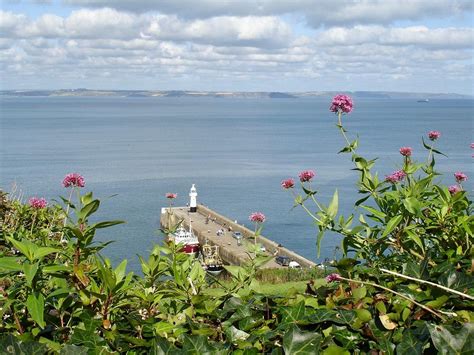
column 233, row 94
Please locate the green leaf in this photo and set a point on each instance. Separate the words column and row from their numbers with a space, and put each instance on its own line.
column 9, row 264
column 412, row 205
column 196, row 345
column 234, row 334
column 41, row 252
column 25, row 247
column 120, row 271
column 333, row 349
column 297, row 342
column 164, row 329
column 11, row 345
column 451, row 340
column 73, row 350
column 392, row 224
column 293, row 314
column 319, row 239
column 411, row 344
column 333, row 206
column 30, row 271
column 88, row 209
column 35, row 306
column 375, row 212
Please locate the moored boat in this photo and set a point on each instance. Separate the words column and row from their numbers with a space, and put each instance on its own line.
column 211, row 260
column 187, row 238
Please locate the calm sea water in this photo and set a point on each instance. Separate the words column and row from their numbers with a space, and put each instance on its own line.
column 236, row 151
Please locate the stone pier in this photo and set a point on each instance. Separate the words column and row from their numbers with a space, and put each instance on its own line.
column 205, row 224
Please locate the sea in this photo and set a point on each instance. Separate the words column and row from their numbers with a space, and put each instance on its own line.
column 133, row 150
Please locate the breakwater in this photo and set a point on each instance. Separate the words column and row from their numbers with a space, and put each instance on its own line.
column 205, row 224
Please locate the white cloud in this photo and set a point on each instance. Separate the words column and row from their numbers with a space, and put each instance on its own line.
column 226, row 30
column 317, row 13
column 422, row 36
column 110, row 48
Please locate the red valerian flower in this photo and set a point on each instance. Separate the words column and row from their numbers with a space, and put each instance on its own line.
column 405, row 151
column 459, row 176
column 434, row 135
column 396, row 176
column 37, row 202
column 306, row 175
column 74, row 179
column 257, row 217
column 341, row 103
column 454, row 189
column 288, row 183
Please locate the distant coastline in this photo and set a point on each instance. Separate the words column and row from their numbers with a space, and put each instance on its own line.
column 231, row 94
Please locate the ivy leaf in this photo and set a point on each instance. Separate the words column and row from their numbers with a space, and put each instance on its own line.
column 161, row 346
column 196, row 345
column 293, row 314
column 451, row 340
column 10, row 345
column 410, row 344
column 73, row 350
column 234, row 334
column 297, row 342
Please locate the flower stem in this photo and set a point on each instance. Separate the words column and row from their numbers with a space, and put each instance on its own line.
column 428, row 283
column 67, row 207
column 341, row 128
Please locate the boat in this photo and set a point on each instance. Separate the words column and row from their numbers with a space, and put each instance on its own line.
column 423, row 100
column 187, row 238
column 211, row 260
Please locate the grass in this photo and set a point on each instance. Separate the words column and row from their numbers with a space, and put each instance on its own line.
column 272, row 289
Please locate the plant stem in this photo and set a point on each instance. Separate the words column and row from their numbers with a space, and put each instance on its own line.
column 67, row 208
column 339, row 125
column 429, row 283
column 396, row 293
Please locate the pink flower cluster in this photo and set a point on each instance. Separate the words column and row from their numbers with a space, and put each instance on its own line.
column 73, row 179
column 37, row 202
column 341, row 103
column 171, row 195
column 288, row 183
column 333, row 277
column 405, row 151
column 306, row 175
column 257, row 217
column 454, row 189
column 434, row 135
column 396, row 176
column 460, row 177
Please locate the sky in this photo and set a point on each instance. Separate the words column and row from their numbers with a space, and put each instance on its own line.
column 238, row 45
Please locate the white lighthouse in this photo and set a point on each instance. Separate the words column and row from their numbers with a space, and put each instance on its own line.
column 193, row 199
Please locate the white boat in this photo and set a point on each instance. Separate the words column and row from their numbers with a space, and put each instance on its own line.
column 187, row 238
column 423, row 100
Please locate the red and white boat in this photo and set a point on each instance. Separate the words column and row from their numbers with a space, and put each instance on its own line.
column 187, row 238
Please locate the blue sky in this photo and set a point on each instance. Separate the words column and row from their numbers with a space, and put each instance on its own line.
column 226, row 45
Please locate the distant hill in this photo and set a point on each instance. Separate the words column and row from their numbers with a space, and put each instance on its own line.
column 232, row 94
